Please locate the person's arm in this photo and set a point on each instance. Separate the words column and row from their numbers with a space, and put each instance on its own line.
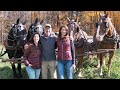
column 56, row 41
column 26, row 53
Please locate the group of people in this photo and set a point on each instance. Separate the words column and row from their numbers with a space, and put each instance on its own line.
column 40, row 54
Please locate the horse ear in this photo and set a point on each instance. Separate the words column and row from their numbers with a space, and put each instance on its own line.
column 24, row 22
column 106, row 15
column 68, row 19
column 18, row 21
column 76, row 20
column 41, row 21
column 101, row 14
column 36, row 20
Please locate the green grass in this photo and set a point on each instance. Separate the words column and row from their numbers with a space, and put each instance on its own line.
column 89, row 70
column 6, row 70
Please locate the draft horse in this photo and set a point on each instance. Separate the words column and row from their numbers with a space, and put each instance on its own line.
column 80, row 42
column 14, row 45
column 36, row 26
column 105, row 37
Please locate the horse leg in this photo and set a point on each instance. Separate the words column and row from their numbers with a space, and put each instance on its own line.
column 79, row 67
column 79, row 63
column 14, row 70
column 19, row 70
column 101, row 64
column 90, row 57
column 98, row 61
column 109, row 62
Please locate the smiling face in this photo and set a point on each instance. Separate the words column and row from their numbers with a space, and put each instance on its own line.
column 36, row 38
column 63, row 31
column 47, row 30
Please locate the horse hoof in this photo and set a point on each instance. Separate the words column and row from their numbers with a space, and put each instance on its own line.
column 80, row 75
column 98, row 66
column 15, row 77
column 108, row 76
column 20, row 77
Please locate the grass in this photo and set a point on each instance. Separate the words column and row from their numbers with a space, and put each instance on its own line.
column 89, row 70
column 6, row 69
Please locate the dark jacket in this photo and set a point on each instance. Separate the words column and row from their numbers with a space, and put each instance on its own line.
column 66, row 50
column 32, row 55
column 48, row 47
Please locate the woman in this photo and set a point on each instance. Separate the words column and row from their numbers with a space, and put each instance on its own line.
column 32, row 57
column 66, row 54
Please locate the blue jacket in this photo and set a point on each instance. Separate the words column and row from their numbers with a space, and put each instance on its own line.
column 48, row 45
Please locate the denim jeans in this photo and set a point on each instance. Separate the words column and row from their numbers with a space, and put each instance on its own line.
column 61, row 65
column 33, row 73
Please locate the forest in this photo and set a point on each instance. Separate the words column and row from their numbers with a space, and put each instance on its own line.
column 87, row 21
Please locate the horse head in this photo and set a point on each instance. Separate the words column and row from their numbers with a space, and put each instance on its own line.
column 21, row 34
column 39, row 28
column 76, row 32
column 35, row 27
column 105, row 27
column 17, row 35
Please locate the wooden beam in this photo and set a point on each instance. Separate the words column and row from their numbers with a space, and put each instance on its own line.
column 15, row 60
column 107, row 50
column 94, row 53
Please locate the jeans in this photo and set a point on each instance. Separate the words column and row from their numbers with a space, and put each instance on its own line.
column 61, row 65
column 33, row 73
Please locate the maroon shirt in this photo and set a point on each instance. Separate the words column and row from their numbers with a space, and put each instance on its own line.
column 64, row 49
column 32, row 55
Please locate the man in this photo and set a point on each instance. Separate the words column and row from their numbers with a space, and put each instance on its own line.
column 48, row 44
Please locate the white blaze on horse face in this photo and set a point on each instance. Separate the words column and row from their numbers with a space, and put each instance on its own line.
column 20, row 27
column 40, row 29
column 71, row 28
column 98, row 36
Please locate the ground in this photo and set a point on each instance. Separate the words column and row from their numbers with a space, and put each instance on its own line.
column 89, row 70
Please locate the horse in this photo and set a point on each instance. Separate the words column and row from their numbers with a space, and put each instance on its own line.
column 14, row 44
column 36, row 26
column 105, row 37
column 80, row 42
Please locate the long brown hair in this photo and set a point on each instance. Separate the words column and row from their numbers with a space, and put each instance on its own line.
column 67, row 32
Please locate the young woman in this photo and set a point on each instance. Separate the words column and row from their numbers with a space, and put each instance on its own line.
column 66, row 54
column 32, row 57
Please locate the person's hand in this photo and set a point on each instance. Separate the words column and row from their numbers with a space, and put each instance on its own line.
column 73, row 66
column 25, row 46
column 30, row 65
